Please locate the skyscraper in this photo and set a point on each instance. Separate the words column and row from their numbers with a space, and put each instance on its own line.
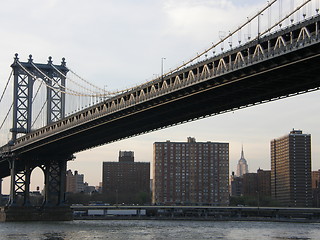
column 291, row 169
column 242, row 167
column 191, row 172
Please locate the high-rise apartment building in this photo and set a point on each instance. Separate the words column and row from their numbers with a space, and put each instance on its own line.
column 74, row 182
column 291, row 169
column 242, row 167
column 190, row 172
column 126, row 181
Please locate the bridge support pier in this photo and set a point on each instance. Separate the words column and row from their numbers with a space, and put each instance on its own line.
column 20, row 184
column 53, row 208
column 55, row 182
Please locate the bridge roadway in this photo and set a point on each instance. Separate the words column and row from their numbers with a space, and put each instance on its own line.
column 278, row 65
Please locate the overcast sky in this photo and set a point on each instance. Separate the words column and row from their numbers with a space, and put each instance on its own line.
column 118, row 44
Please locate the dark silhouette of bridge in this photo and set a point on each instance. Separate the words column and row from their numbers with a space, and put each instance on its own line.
column 271, row 66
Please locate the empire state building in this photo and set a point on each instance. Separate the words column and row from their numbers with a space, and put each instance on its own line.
column 242, row 167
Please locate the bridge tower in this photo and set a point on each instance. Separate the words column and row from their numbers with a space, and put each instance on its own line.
column 21, row 166
column 25, row 74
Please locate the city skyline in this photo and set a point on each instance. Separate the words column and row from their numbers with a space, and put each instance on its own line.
column 110, row 42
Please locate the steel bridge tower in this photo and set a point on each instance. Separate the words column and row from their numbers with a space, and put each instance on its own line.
column 21, row 167
column 25, row 74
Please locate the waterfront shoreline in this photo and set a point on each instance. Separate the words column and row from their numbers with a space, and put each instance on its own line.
column 235, row 219
column 198, row 213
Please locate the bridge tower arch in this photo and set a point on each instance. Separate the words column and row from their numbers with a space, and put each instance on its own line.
column 20, row 207
column 54, row 171
column 37, row 178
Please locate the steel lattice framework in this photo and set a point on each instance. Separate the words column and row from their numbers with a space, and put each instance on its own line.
column 24, row 78
column 55, row 93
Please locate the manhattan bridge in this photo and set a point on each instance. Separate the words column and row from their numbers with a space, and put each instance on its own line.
column 48, row 112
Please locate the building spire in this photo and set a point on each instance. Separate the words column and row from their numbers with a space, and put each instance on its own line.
column 242, row 153
column 242, row 167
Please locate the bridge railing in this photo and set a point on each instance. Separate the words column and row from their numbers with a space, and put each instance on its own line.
column 278, row 43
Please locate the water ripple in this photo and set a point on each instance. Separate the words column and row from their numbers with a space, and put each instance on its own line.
column 158, row 230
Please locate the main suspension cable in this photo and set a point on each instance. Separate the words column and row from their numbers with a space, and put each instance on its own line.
column 39, row 113
column 37, row 92
column 51, row 87
column 5, row 88
column 62, row 74
column 284, row 18
column 100, row 89
column 5, row 118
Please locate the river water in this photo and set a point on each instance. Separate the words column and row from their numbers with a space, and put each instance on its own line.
column 144, row 230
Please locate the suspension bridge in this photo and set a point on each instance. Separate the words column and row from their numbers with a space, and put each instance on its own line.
column 56, row 113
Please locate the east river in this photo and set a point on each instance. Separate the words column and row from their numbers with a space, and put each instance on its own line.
column 156, row 229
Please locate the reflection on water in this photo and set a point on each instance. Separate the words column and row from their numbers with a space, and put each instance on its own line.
column 55, row 236
column 143, row 230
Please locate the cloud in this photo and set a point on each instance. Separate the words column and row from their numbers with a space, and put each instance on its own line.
column 198, row 18
column 194, row 18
